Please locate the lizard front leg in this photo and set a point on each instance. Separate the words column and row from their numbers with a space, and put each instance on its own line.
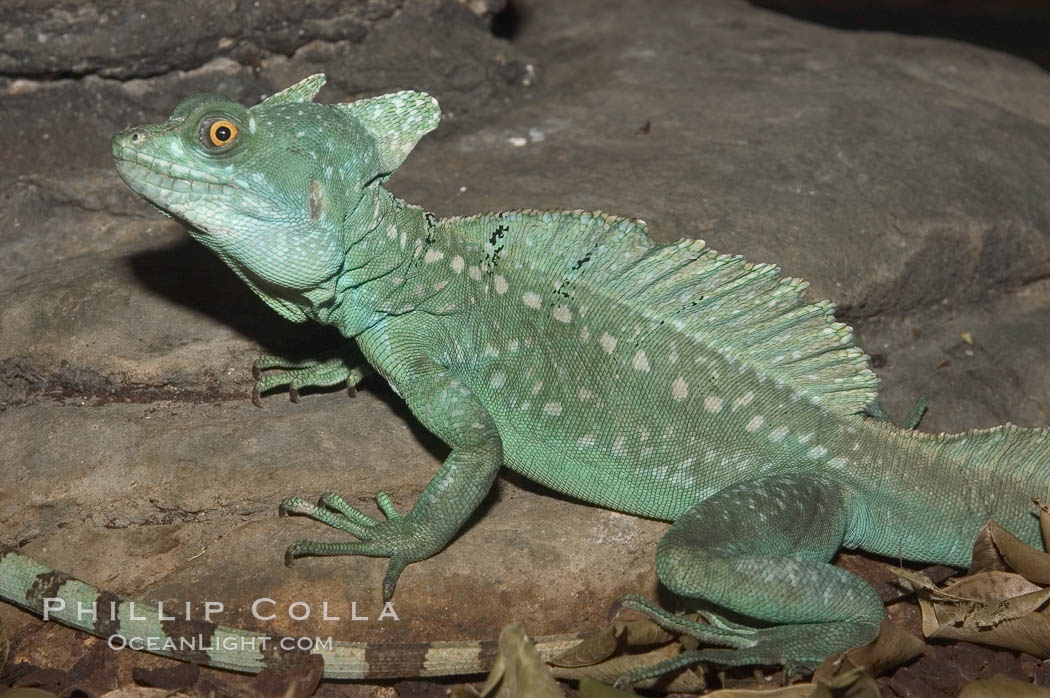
column 454, row 414
column 307, row 373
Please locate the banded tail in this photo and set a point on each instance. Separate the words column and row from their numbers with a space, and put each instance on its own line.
column 27, row 583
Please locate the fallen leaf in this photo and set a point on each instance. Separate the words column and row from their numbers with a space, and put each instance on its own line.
column 518, row 671
column 3, row 646
column 1024, row 559
column 852, row 684
column 992, row 607
column 616, row 635
column 691, row 680
column 624, row 646
column 593, row 688
column 1000, row 686
column 892, row 647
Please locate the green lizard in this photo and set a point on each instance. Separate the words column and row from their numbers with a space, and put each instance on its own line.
column 662, row 380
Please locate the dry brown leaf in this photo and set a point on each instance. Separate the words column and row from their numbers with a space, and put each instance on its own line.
column 1044, row 523
column 922, row 582
column 991, row 586
column 985, row 556
column 1024, row 559
column 131, row 691
column 1010, row 623
column 691, row 680
column 1029, row 634
column 518, row 671
column 798, row 690
column 1000, row 686
column 603, row 644
column 892, row 647
column 3, row 646
column 592, row 688
column 852, row 684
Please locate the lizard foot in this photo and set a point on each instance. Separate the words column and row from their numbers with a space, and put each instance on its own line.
column 796, row 647
column 307, row 373
column 400, row 538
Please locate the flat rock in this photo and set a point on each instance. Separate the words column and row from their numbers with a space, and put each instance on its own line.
column 904, row 177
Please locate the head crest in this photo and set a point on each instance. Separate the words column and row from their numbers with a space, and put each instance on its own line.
column 303, row 91
column 396, row 121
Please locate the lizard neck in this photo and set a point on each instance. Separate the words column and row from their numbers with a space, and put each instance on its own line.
column 382, row 235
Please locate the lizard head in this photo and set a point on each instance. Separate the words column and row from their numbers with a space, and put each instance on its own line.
column 269, row 188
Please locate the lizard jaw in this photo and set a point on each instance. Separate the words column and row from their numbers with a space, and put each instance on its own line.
column 173, row 188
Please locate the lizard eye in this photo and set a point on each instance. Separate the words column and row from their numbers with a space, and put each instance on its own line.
column 217, row 133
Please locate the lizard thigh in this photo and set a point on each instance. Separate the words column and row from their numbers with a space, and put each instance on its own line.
column 761, row 548
column 752, row 560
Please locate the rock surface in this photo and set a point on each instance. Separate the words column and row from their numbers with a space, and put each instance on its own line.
column 904, row 177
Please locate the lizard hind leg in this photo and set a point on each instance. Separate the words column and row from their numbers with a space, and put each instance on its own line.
column 760, row 550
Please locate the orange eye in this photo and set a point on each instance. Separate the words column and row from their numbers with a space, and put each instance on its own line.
column 221, row 132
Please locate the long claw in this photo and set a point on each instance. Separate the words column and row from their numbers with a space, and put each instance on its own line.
column 256, row 398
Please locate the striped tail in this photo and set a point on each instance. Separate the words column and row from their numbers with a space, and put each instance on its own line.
column 58, row 596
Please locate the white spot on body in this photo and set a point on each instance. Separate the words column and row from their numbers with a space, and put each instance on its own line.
column 552, row 409
column 618, row 446
column 563, row 314
column 640, row 362
column 608, row 343
column 500, row 284
column 457, row 264
column 778, row 434
column 586, row 441
column 498, row 380
column 755, row 423
column 474, row 273
column 713, row 404
column 433, row 255
column 531, row 300
column 817, row 452
column 679, row 389
column 743, row 400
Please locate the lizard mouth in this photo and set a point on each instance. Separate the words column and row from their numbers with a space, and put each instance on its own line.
column 174, row 188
